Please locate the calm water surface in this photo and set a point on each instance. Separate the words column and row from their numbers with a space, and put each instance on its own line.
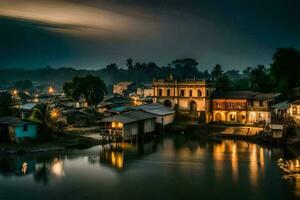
column 175, row 167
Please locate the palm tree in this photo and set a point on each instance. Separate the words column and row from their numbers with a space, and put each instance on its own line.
column 257, row 77
column 129, row 64
column 42, row 115
column 216, row 72
column 223, row 83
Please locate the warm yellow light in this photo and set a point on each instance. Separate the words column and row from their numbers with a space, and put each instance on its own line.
column 55, row 113
column 24, row 167
column 50, row 90
column 15, row 92
column 116, row 125
column 57, row 167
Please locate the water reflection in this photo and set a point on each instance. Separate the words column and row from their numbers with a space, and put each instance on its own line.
column 113, row 157
column 42, row 170
column 234, row 162
column 221, row 163
column 291, row 170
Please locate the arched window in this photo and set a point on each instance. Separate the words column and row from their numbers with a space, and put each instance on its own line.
column 160, row 92
column 168, row 92
column 199, row 93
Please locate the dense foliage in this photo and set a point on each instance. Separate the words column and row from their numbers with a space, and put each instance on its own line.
column 5, row 104
column 92, row 88
column 282, row 75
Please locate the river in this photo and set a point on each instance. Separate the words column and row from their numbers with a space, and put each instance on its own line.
column 172, row 167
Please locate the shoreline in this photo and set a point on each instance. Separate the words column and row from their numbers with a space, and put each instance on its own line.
column 55, row 143
column 81, row 141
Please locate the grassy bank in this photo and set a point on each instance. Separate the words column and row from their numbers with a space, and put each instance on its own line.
column 49, row 143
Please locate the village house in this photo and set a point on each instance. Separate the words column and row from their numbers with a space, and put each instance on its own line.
column 288, row 108
column 164, row 115
column 122, row 87
column 112, row 102
column 294, row 110
column 145, row 91
column 14, row 130
column 77, row 118
column 242, row 107
column 186, row 96
column 129, row 124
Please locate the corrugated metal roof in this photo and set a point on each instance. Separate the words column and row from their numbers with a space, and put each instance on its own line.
column 156, row 109
column 281, row 106
column 244, row 95
column 129, row 117
column 28, row 106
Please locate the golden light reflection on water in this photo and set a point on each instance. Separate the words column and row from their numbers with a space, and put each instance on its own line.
column 225, row 155
column 218, row 154
column 113, row 157
column 24, row 168
column 253, row 166
column 234, row 162
column 291, row 170
column 236, row 150
column 57, row 167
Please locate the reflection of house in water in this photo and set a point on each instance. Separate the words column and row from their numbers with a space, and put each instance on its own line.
column 43, row 171
column 122, row 157
column 16, row 166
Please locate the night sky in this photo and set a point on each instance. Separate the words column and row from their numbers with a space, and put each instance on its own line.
column 91, row 34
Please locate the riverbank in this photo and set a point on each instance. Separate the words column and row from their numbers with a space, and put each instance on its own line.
column 51, row 143
column 252, row 134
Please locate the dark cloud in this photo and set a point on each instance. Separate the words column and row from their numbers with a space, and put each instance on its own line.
column 91, row 34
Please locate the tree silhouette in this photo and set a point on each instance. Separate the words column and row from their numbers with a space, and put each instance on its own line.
column 5, row 104
column 286, row 69
column 92, row 88
column 216, row 72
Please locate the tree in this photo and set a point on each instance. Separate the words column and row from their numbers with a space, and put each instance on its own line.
column 5, row 104
column 92, row 88
column 185, row 68
column 43, row 116
column 260, row 79
column 40, row 114
column 129, row 64
column 257, row 77
column 216, row 72
column 223, row 83
column 247, row 71
column 285, row 69
column 112, row 67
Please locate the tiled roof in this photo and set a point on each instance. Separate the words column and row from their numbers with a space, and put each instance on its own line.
column 232, row 95
column 244, row 95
